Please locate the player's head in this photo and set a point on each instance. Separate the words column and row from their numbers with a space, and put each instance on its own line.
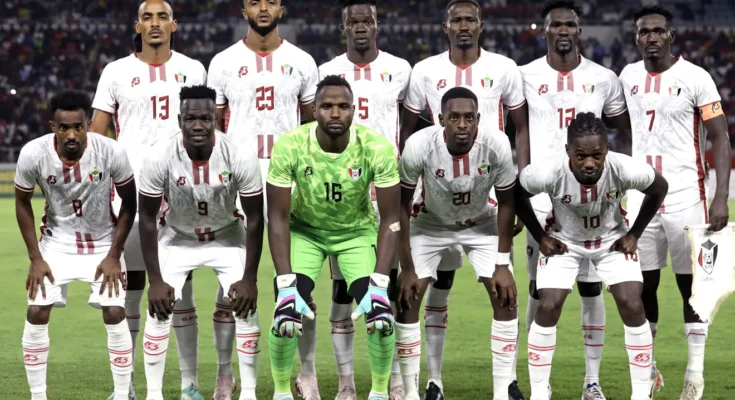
column 155, row 24
column 262, row 15
column 70, row 110
column 460, row 119
column 653, row 32
column 463, row 24
column 333, row 109
column 561, row 26
column 587, row 147
column 360, row 24
column 198, row 115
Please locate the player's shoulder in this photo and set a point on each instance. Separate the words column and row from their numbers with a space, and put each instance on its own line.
column 368, row 136
column 548, row 169
column 393, row 61
column 632, row 69
column 497, row 60
column 494, row 141
column 185, row 61
column 121, row 64
column 538, row 65
column 334, row 64
column 687, row 69
column 38, row 147
column 432, row 62
column 234, row 51
column 594, row 69
column 425, row 138
column 298, row 135
column 617, row 162
column 294, row 51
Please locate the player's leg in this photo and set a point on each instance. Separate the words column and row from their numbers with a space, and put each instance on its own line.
column 223, row 326
column 555, row 278
column 307, row 257
column 436, row 319
column 186, row 329
column 135, row 265
column 532, row 253
column 593, row 330
column 343, row 332
column 695, row 330
column 397, row 389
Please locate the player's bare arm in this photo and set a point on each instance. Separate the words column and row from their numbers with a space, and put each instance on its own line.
column 100, row 122
column 622, row 124
column 307, row 110
column 279, row 239
column 409, row 119
column 244, row 294
column 388, row 231
column 221, row 111
column 408, row 284
column 655, row 195
column 503, row 284
column 160, row 294
column 523, row 146
column 110, row 268
column 38, row 269
column 548, row 245
column 717, row 130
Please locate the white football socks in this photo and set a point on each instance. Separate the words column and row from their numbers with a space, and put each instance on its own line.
column 132, row 314
column 639, row 344
column 155, row 346
column 408, row 343
column 504, row 346
column 436, row 318
column 248, row 351
column 120, row 348
column 396, row 380
column 186, row 328
column 307, row 345
column 531, row 309
column 696, row 334
column 223, row 324
column 36, row 345
column 593, row 331
column 343, row 333
column 541, row 346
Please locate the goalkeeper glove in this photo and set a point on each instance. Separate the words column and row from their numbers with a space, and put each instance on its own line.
column 376, row 306
column 290, row 307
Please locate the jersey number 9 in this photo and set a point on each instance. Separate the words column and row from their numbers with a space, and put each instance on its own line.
column 203, row 208
column 333, row 189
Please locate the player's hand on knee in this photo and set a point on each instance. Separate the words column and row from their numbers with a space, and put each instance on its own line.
column 243, row 295
column 376, row 306
column 504, row 287
column 38, row 270
column 290, row 308
column 160, row 300
column 550, row 246
column 408, row 289
column 718, row 215
column 627, row 244
column 111, row 272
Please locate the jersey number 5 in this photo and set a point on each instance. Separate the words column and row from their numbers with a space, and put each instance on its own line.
column 570, row 113
column 264, row 98
column 333, row 189
column 362, row 106
column 161, row 102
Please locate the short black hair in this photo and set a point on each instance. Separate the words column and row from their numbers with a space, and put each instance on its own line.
column 197, row 92
column 333, row 80
column 458, row 92
column 473, row 2
column 653, row 10
column 347, row 3
column 553, row 5
column 586, row 124
column 70, row 100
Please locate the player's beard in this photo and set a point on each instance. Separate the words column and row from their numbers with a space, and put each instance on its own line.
column 262, row 30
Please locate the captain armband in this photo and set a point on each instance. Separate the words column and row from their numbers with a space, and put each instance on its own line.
column 710, row 111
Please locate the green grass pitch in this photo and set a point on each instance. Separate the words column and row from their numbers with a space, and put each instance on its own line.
column 79, row 366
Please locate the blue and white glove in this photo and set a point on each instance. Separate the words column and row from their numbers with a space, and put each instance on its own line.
column 290, row 307
column 376, row 306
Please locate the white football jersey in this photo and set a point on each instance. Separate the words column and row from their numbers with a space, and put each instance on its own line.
column 587, row 213
column 495, row 80
column 456, row 189
column 144, row 99
column 667, row 128
column 262, row 92
column 78, row 217
column 200, row 196
column 555, row 98
column 378, row 88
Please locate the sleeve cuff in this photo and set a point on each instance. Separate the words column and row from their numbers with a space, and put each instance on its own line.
column 125, row 181
column 506, row 187
column 517, row 106
column 144, row 193
column 387, row 184
column 413, row 110
column 307, row 100
column 408, row 185
column 251, row 194
column 24, row 189
column 104, row 108
column 617, row 113
column 280, row 184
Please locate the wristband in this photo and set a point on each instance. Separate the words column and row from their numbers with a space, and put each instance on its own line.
column 502, row 259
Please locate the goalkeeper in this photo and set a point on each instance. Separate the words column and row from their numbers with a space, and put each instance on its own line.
column 332, row 164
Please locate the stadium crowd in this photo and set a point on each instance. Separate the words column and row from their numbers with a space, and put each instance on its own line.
column 38, row 59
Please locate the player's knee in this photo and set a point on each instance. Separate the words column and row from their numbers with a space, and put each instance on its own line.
column 38, row 315
column 532, row 290
column 136, row 280
column 444, row 280
column 340, row 294
column 113, row 315
column 549, row 308
column 589, row 289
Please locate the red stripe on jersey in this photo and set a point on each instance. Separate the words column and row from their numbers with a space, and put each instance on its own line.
column 466, row 165
column 117, row 122
column 657, row 84
column 259, row 63
column 269, row 62
column 195, row 172
column 468, row 76
column 697, row 149
column 706, row 213
column 367, row 73
column 80, row 243
column 570, row 81
column 90, row 243
column 206, row 173
column 152, row 73
column 397, row 125
column 162, row 72
column 501, row 123
column 457, row 76
column 77, row 173
column 357, row 73
column 588, row 193
column 67, row 175
column 227, row 117
column 559, row 82
column 455, row 167
column 648, row 83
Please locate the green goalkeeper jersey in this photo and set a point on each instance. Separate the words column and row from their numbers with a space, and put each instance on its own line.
column 332, row 190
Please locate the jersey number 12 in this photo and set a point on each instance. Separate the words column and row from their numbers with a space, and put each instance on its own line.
column 333, row 191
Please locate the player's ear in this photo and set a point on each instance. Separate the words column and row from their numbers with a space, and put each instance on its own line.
column 477, row 119
column 672, row 34
column 137, row 27
column 441, row 120
column 52, row 125
column 178, row 117
column 444, row 27
column 174, row 25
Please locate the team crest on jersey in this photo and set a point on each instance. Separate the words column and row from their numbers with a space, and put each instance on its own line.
column 674, row 90
column 707, row 256
column 542, row 260
column 439, row 173
column 243, row 71
column 180, row 78
column 308, row 171
column 486, row 82
column 95, row 176
column 286, row 69
column 484, row 169
column 543, row 89
column 355, row 172
column 612, row 195
column 225, row 176
column 634, row 90
column 181, row 181
column 386, row 77
column 51, row 179
column 442, row 84
column 134, row 82
column 566, row 199
column 588, row 88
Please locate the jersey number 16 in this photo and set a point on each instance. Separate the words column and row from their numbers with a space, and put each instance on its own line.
column 333, row 191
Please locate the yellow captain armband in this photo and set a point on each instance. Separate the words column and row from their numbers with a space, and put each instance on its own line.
column 710, row 111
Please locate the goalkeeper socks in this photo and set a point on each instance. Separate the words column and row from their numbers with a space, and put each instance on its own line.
column 307, row 345
column 593, row 331
column 504, row 346
column 155, row 346
column 343, row 333
column 223, row 323
column 639, row 344
column 281, row 351
column 541, row 345
column 186, row 328
column 531, row 309
column 696, row 334
column 248, row 351
column 436, row 314
column 36, row 345
column 380, row 350
column 120, row 347
column 408, row 343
